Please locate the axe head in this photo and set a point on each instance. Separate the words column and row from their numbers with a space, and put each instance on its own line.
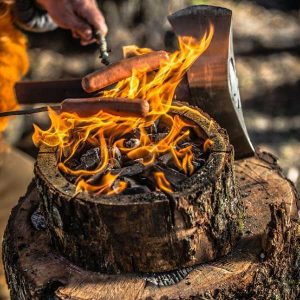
column 212, row 82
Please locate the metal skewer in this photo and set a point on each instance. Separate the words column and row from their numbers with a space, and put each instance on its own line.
column 28, row 111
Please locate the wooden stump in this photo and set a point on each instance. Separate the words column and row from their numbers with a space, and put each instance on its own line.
column 264, row 265
column 148, row 232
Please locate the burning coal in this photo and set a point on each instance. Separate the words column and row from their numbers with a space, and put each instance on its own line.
column 108, row 153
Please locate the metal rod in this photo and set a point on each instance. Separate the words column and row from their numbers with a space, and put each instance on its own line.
column 101, row 40
column 28, row 111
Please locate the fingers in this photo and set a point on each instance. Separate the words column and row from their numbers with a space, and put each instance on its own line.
column 89, row 10
column 78, row 27
column 80, row 16
column 83, row 42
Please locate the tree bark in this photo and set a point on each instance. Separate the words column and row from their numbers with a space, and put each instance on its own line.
column 264, row 265
column 149, row 232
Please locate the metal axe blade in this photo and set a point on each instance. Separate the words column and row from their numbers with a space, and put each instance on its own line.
column 212, row 79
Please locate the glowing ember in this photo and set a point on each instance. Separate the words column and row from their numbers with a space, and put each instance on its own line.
column 70, row 134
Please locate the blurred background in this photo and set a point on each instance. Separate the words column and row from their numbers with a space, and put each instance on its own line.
column 267, row 49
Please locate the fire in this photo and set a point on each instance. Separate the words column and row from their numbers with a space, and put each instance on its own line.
column 105, row 187
column 162, row 182
column 132, row 50
column 68, row 132
column 13, row 61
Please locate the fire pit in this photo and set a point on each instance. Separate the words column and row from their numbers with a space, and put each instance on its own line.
column 148, row 231
column 148, row 191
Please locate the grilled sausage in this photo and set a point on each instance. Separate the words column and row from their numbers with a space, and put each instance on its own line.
column 122, row 70
column 86, row 107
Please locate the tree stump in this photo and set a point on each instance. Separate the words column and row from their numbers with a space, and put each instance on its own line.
column 264, row 264
column 148, row 232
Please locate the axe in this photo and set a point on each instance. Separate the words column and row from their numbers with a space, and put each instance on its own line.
column 212, row 79
column 211, row 83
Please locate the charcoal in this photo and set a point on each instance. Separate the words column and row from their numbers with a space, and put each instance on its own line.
column 165, row 159
column 134, row 188
column 173, row 176
column 116, row 153
column 163, row 124
column 146, row 180
column 90, row 159
column 157, row 137
column 128, row 162
column 132, row 143
column 71, row 178
column 96, row 177
column 130, row 182
column 161, row 136
column 72, row 163
column 115, row 163
column 116, row 157
column 130, row 170
column 197, row 134
column 198, row 163
column 196, row 148
column 184, row 144
column 138, row 189
column 134, row 134
column 38, row 221
column 66, row 151
column 198, row 155
column 115, row 185
column 139, row 178
column 152, row 129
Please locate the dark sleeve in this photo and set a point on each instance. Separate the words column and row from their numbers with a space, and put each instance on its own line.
column 30, row 16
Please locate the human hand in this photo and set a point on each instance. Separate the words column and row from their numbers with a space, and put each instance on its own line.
column 79, row 16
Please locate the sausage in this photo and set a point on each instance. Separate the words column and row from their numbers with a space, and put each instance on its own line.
column 122, row 70
column 87, row 107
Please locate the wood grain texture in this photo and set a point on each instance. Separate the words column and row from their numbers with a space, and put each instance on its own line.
column 35, row 271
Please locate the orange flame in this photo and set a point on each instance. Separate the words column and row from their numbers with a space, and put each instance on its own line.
column 68, row 132
column 132, row 50
column 13, row 63
column 162, row 183
column 105, row 187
